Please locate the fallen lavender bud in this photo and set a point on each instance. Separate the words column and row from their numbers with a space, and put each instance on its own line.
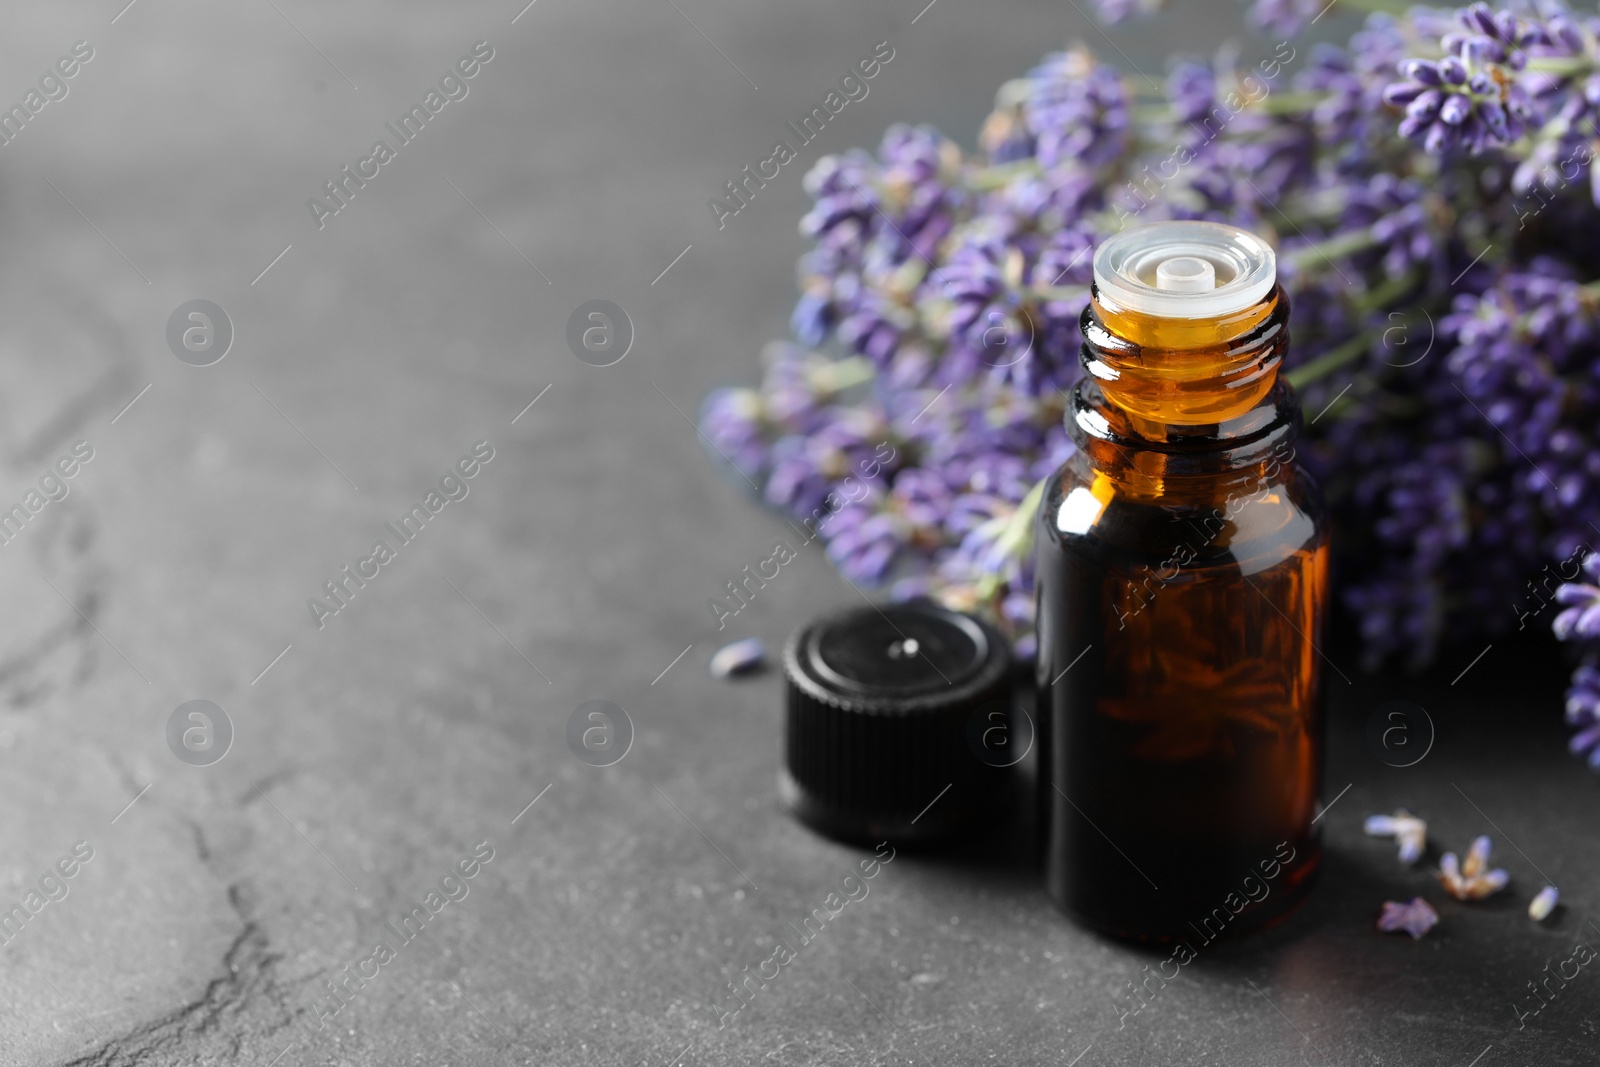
column 1470, row 880
column 740, row 657
column 1410, row 832
column 1541, row 906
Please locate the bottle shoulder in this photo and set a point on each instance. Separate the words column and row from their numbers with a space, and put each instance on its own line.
column 1247, row 523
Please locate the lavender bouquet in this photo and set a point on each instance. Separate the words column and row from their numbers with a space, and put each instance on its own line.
column 1431, row 191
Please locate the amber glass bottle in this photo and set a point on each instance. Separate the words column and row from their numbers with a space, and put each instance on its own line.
column 1182, row 579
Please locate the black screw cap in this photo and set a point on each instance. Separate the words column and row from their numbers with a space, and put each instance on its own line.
column 884, row 706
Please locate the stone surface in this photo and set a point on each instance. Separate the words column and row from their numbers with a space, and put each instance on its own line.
column 373, row 754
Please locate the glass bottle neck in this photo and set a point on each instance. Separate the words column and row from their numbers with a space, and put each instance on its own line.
column 1172, row 373
column 1173, row 403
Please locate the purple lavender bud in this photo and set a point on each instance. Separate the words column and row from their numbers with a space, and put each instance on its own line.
column 1455, row 110
column 1399, row 94
column 1577, row 593
column 1588, row 622
column 1480, row 83
column 811, row 319
column 1478, row 18
column 1411, row 128
column 1420, row 70
column 1518, row 104
column 1505, row 27
column 1564, row 34
column 1540, row 907
column 1425, row 108
column 1440, row 139
column 1192, row 88
column 1452, row 70
column 1541, row 85
column 1581, row 710
column 1494, row 117
column 1115, row 11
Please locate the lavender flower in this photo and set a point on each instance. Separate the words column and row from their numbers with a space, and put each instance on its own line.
column 1583, row 714
column 1286, row 17
column 1192, row 90
column 1581, row 618
column 1079, row 110
column 1446, row 334
column 1477, row 95
column 1114, row 11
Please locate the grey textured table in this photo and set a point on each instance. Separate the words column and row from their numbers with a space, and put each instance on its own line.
column 374, row 754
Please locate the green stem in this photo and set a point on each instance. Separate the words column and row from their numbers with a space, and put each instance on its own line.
column 1330, row 361
column 1288, row 103
column 843, row 374
column 1019, row 531
column 1001, row 174
column 1343, row 245
column 1563, row 65
column 1017, row 537
column 1387, row 291
column 1048, row 292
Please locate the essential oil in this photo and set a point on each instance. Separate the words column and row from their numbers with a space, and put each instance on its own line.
column 1182, row 584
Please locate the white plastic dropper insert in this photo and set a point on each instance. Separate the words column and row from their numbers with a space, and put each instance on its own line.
column 1184, row 270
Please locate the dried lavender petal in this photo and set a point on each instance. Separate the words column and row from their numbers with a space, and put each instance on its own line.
column 1415, row 917
column 1543, row 904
